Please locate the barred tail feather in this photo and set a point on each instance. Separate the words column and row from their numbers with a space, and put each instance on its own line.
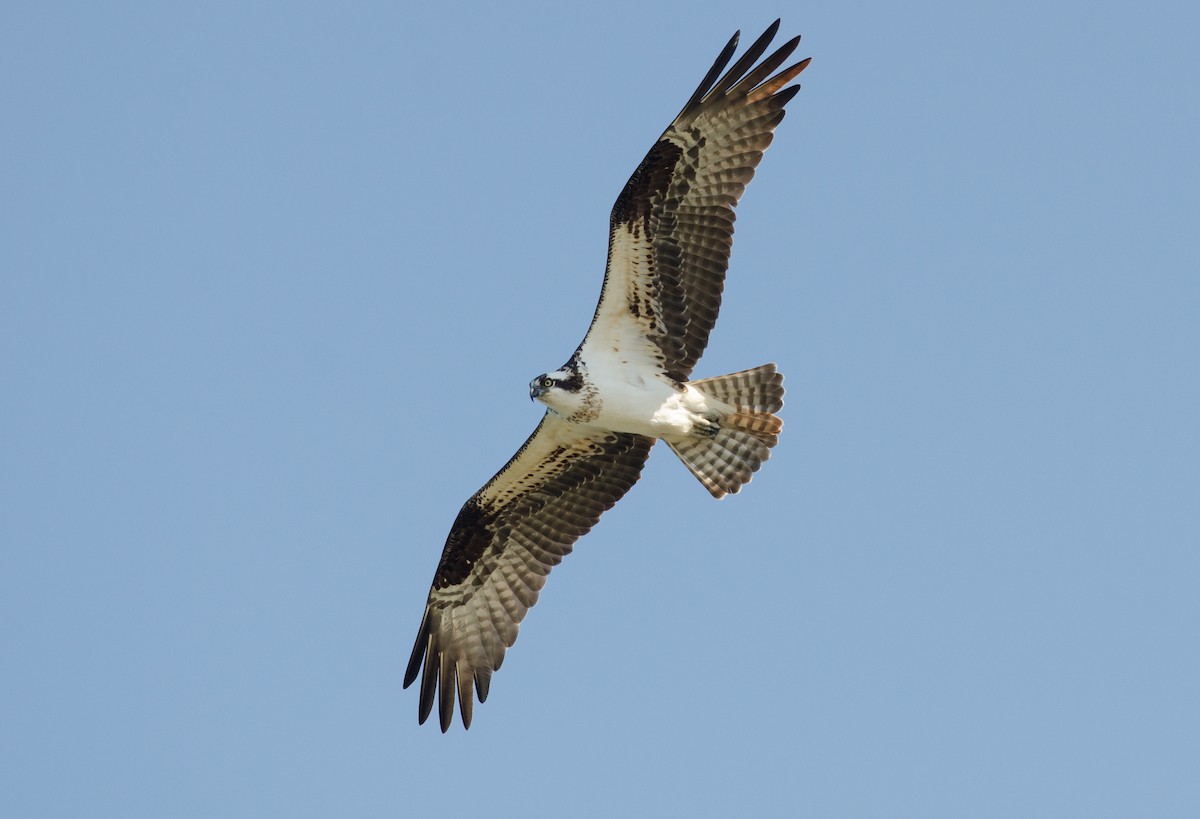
column 746, row 430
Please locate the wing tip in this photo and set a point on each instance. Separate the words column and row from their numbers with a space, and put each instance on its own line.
column 420, row 646
column 743, row 78
column 446, row 692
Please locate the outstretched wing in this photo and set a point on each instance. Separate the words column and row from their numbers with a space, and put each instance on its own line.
column 501, row 548
column 671, row 229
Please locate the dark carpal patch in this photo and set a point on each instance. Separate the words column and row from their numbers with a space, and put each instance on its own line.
column 648, row 182
column 468, row 540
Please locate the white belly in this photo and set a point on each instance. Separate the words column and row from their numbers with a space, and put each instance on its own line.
column 653, row 407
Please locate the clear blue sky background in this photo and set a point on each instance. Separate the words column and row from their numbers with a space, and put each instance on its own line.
column 274, row 280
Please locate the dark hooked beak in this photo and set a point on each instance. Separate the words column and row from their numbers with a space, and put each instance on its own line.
column 536, row 391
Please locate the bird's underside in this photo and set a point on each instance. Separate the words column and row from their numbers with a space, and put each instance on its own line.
column 626, row 385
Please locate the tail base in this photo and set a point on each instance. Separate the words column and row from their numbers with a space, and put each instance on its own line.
column 747, row 429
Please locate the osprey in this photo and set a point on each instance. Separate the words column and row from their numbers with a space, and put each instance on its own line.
column 624, row 387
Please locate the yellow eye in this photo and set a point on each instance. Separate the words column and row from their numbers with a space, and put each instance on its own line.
column 547, row 382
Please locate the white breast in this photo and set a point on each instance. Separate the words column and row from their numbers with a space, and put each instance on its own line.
column 642, row 400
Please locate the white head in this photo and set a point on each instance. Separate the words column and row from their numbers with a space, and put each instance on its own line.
column 562, row 390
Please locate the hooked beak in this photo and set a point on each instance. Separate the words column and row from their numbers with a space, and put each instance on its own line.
column 536, row 391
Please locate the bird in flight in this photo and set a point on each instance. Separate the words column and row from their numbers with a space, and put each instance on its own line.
column 624, row 387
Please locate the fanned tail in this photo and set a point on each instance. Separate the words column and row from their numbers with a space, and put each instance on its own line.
column 747, row 428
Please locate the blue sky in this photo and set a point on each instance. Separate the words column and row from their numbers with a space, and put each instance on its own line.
column 274, row 280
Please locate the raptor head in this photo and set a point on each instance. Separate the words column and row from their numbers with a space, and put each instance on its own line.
column 561, row 390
